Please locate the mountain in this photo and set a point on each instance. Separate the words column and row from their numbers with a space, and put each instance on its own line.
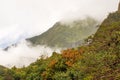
column 69, row 34
column 100, row 60
column 108, row 35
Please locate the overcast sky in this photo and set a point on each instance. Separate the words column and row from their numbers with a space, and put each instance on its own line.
column 24, row 18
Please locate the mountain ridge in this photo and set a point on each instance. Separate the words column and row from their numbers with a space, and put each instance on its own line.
column 100, row 60
column 67, row 34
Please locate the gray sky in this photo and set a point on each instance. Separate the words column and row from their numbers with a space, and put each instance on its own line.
column 21, row 18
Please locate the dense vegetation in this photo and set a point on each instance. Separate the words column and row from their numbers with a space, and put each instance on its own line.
column 2, row 72
column 67, row 34
column 100, row 60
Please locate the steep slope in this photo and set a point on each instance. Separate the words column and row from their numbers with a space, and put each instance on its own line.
column 99, row 60
column 67, row 35
column 108, row 35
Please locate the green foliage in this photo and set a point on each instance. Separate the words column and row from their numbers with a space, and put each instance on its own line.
column 100, row 60
column 67, row 34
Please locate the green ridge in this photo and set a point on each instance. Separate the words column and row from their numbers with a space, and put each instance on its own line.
column 67, row 35
column 100, row 60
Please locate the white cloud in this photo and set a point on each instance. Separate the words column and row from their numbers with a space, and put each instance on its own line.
column 25, row 18
column 10, row 35
column 23, row 54
column 36, row 16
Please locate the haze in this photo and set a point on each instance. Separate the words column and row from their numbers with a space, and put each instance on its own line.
column 20, row 19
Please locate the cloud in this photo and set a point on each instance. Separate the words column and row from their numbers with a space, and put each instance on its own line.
column 23, row 54
column 20, row 19
column 36, row 16
column 10, row 35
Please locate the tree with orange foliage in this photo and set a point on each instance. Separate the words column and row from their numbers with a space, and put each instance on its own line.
column 71, row 56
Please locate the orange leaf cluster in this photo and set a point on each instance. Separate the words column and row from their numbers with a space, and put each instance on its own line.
column 71, row 56
column 52, row 63
column 69, row 63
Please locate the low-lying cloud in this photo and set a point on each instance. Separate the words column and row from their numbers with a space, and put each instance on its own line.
column 23, row 54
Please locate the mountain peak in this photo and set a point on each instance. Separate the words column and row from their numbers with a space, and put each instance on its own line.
column 66, row 35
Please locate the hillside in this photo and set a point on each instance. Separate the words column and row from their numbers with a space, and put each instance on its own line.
column 100, row 60
column 3, row 72
column 108, row 35
column 70, row 34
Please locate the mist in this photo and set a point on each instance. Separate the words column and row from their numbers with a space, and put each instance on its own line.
column 28, row 18
column 23, row 54
column 21, row 19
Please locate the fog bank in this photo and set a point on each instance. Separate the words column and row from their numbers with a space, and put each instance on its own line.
column 23, row 54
